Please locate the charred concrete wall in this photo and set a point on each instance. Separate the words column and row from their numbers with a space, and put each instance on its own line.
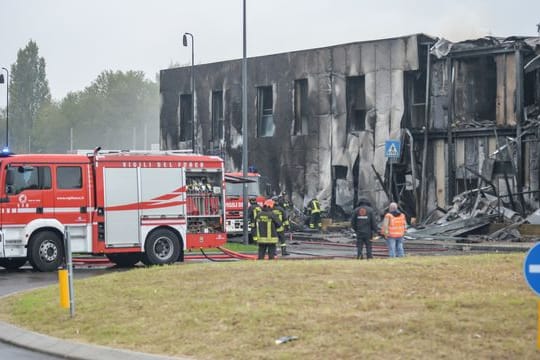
column 328, row 157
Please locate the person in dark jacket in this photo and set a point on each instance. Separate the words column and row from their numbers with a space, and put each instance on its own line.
column 364, row 224
column 266, row 225
column 253, row 210
column 281, row 215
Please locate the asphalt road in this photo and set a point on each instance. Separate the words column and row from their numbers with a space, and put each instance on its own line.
column 25, row 279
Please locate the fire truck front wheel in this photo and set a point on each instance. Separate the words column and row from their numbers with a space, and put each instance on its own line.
column 162, row 247
column 45, row 251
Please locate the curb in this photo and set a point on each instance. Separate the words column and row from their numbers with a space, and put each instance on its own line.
column 70, row 349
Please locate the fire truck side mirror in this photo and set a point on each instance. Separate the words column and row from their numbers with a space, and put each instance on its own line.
column 268, row 189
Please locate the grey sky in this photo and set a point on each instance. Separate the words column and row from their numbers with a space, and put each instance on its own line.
column 79, row 39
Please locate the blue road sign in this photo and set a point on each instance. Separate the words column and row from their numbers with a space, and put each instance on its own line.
column 392, row 149
column 531, row 268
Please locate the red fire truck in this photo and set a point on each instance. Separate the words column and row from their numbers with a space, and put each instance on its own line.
column 235, row 201
column 129, row 206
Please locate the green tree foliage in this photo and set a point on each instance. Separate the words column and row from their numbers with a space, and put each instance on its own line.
column 28, row 93
column 119, row 110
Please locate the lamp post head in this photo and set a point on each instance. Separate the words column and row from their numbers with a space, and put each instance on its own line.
column 1, row 78
column 184, row 40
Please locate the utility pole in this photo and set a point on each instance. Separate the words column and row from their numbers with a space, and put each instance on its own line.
column 244, row 129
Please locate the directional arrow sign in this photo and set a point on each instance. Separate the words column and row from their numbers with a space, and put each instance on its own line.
column 531, row 269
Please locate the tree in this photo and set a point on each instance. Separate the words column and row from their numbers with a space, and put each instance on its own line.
column 28, row 91
column 119, row 110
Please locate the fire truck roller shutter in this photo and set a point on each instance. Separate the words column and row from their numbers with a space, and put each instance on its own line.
column 45, row 250
column 162, row 246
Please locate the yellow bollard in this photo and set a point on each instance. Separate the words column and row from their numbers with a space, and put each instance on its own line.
column 64, row 288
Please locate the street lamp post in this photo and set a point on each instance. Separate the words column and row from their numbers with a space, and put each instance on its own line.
column 185, row 42
column 7, row 103
column 244, row 123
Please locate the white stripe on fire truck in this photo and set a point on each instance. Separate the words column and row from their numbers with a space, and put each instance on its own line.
column 45, row 210
column 162, row 222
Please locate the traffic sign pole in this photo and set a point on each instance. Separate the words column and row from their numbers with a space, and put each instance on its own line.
column 538, row 325
column 531, row 272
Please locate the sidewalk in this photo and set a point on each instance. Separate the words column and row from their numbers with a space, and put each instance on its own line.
column 69, row 349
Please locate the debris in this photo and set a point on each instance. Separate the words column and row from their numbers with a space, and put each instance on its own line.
column 285, row 339
column 534, row 218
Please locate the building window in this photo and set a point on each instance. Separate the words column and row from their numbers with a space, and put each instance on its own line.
column 68, row 177
column 356, row 103
column 415, row 98
column 186, row 118
column 217, row 116
column 265, row 112
column 300, row 107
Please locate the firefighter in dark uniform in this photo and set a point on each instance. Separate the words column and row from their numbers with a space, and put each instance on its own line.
column 281, row 215
column 314, row 212
column 266, row 223
column 364, row 224
column 253, row 210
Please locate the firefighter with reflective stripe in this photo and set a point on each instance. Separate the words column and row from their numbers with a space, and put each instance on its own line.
column 364, row 224
column 281, row 215
column 266, row 224
column 393, row 229
column 253, row 210
column 314, row 212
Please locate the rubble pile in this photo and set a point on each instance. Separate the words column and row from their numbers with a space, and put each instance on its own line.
column 474, row 215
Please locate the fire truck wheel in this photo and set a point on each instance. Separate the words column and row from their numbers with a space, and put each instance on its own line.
column 162, row 247
column 12, row 263
column 124, row 260
column 45, row 251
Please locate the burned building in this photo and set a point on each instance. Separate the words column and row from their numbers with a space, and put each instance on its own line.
column 318, row 119
column 483, row 123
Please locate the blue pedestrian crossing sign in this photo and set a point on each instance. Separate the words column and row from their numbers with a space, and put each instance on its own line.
column 531, row 268
column 392, row 149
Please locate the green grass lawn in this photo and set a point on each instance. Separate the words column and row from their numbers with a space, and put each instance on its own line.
column 454, row 307
column 234, row 246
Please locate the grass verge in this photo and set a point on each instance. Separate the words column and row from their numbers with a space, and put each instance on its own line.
column 420, row 307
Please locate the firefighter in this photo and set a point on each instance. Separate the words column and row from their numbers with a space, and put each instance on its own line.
column 281, row 215
column 314, row 212
column 393, row 229
column 253, row 210
column 364, row 224
column 266, row 223
column 284, row 201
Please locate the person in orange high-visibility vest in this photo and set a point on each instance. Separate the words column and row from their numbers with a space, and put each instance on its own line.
column 393, row 229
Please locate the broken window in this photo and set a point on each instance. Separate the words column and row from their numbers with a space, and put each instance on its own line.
column 356, row 103
column 415, row 97
column 340, row 171
column 217, row 116
column 475, row 91
column 265, row 112
column 186, row 118
column 300, row 107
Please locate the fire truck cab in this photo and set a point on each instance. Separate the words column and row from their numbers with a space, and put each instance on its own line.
column 129, row 206
column 256, row 188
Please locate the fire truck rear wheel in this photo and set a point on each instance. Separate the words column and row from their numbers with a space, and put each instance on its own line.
column 124, row 260
column 12, row 263
column 162, row 247
column 45, row 251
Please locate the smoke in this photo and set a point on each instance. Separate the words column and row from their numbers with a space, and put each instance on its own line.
column 464, row 23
